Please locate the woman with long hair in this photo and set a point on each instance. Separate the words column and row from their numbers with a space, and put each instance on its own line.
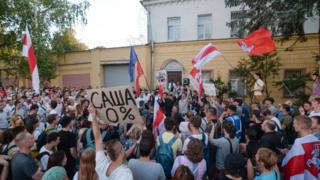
column 87, row 166
column 193, row 159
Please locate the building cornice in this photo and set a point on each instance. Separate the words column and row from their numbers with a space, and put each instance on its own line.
column 148, row 3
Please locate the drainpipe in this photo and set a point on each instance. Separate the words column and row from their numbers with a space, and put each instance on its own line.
column 151, row 44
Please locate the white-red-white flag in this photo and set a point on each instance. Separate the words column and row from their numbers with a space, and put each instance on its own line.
column 302, row 161
column 195, row 80
column 28, row 52
column 158, row 119
column 206, row 54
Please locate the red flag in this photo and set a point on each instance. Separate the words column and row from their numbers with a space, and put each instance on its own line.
column 158, row 119
column 139, row 73
column 28, row 52
column 302, row 161
column 258, row 42
column 195, row 80
column 206, row 54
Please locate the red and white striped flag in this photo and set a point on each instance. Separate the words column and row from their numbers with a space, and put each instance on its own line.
column 206, row 54
column 195, row 80
column 302, row 161
column 28, row 52
column 158, row 119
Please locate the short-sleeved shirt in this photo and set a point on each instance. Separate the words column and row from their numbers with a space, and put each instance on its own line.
column 196, row 136
column 139, row 169
column 102, row 164
column 236, row 121
column 44, row 159
column 68, row 140
column 23, row 166
column 268, row 176
column 258, row 87
column 197, row 169
column 223, row 149
column 54, row 173
column 176, row 146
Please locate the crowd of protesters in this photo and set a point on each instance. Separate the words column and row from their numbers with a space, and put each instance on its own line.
column 49, row 136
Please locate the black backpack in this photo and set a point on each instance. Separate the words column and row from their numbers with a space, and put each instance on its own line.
column 42, row 139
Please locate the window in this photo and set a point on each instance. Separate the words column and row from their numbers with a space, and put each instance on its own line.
column 173, row 28
column 237, row 18
column 237, row 84
column 289, row 74
column 204, row 26
column 206, row 75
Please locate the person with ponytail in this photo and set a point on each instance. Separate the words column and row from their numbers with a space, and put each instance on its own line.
column 267, row 163
column 87, row 166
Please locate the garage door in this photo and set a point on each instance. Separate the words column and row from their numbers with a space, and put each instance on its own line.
column 116, row 75
column 76, row 80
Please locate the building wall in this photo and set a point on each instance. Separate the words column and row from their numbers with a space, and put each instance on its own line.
column 188, row 11
column 92, row 61
column 163, row 53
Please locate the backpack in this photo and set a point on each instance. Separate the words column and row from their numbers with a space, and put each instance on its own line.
column 90, row 141
column 205, row 149
column 165, row 155
column 42, row 139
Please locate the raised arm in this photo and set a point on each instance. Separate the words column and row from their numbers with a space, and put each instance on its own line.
column 96, row 130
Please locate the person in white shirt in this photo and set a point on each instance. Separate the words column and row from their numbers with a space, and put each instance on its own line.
column 53, row 140
column 9, row 107
column 109, row 167
column 268, row 115
column 194, row 126
column 258, row 87
column 3, row 117
column 316, row 107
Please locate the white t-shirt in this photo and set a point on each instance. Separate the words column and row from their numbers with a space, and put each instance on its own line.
column 197, row 136
column 276, row 120
column 258, row 87
column 314, row 114
column 44, row 159
column 102, row 164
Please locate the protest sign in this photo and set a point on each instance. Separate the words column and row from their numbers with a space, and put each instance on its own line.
column 209, row 89
column 161, row 76
column 115, row 105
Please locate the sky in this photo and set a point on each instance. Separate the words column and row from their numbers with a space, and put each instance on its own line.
column 114, row 23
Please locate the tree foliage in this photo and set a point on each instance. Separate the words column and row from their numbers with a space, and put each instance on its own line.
column 43, row 18
column 66, row 41
column 268, row 65
column 283, row 17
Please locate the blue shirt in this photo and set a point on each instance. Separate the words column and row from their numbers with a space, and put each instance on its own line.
column 268, row 176
column 236, row 121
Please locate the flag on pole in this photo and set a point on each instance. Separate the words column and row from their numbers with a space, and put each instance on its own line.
column 136, row 83
column 28, row 52
column 206, row 54
column 302, row 161
column 134, row 62
column 258, row 42
column 158, row 119
column 195, row 80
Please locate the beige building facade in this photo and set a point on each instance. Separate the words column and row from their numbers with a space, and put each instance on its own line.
column 109, row 66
